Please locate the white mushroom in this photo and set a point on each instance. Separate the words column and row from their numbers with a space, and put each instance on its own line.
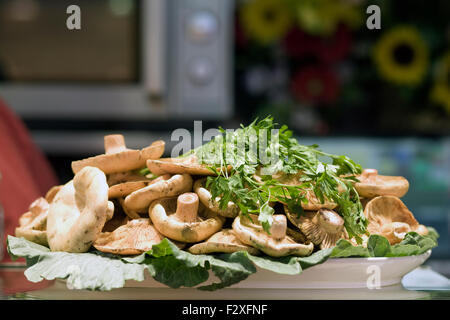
column 323, row 227
column 135, row 237
column 139, row 200
column 118, row 158
column 222, row 241
column 188, row 164
column 371, row 185
column 205, row 197
column 33, row 224
column 389, row 217
column 123, row 189
column 184, row 219
column 79, row 212
column 277, row 244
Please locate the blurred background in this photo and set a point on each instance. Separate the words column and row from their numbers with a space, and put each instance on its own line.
column 145, row 68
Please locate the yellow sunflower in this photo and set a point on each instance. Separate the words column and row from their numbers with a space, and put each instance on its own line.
column 321, row 17
column 440, row 93
column 266, row 20
column 401, row 56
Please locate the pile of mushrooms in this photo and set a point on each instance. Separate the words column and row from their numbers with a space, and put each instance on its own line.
column 110, row 205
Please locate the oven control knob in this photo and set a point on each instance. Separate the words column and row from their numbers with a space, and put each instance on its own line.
column 202, row 26
column 201, row 70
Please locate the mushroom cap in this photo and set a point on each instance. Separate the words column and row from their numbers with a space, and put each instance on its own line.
column 33, row 224
column 140, row 200
column 121, row 177
column 323, row 227
column 371, row 185
column 125, row 188
column 205, row 197
column 135, row 237
column 184, row 219
column 389, row 217
column 188, row 164
column 79, row 212
column 222, row 241
column 277, row 244
column 50, row 195
column 119, row 158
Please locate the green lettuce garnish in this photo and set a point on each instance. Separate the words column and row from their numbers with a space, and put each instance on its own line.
column 176, row 268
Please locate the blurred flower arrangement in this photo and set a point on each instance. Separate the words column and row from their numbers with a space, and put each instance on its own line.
column 316, row 65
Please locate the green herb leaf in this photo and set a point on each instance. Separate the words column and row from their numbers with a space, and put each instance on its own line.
column 261, row 147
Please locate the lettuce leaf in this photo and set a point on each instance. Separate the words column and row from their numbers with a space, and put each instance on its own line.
column 81, row 270
column 378, row 246
column 176, row 268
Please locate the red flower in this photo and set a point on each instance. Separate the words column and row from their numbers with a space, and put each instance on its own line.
column 326, row 49
column 315, row 85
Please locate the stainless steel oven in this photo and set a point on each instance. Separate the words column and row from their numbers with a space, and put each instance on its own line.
column 131, row 60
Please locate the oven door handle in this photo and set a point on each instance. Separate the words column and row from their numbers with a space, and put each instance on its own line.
column 154, row 34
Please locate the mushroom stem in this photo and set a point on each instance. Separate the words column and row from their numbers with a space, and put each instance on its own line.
column 114, row 143
column 279, row 226
column 187, row 207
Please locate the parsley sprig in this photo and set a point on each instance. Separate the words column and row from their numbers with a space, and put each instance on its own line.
column 258, row 153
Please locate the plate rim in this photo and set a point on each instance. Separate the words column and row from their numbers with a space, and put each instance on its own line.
column 345, row 259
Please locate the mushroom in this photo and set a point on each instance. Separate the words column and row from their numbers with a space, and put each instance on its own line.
column 140, row 200
column 79, row 212
column 118, row 158
column 205, row 197
column 118, row 219
column 125, row 188
column 50, row 195
column 294, row 180
column 188, row 164
column 371, row 185
column 323, row 227
column 277, row 244
column 222, row 241
column 135, row 237
column 130, row 213
column 315, row 204
column 389, row 217
column 127, row 176
column 184, row 219
column 33, row 224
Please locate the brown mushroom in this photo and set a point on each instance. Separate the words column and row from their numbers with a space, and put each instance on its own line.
column 222, row 241
column 135, row 237
column 139, row 200
column 205, row 197
column 323, row 227
column 125, row 188
column 79, row 212
column 184, row 219
column 371, row 185
column 277, row 244
column 389, row 217
column 33, row 224
column 118, row 158
column 188, row 164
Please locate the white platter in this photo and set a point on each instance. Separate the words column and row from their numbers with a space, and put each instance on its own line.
column 334, row 273
column 342, row 279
